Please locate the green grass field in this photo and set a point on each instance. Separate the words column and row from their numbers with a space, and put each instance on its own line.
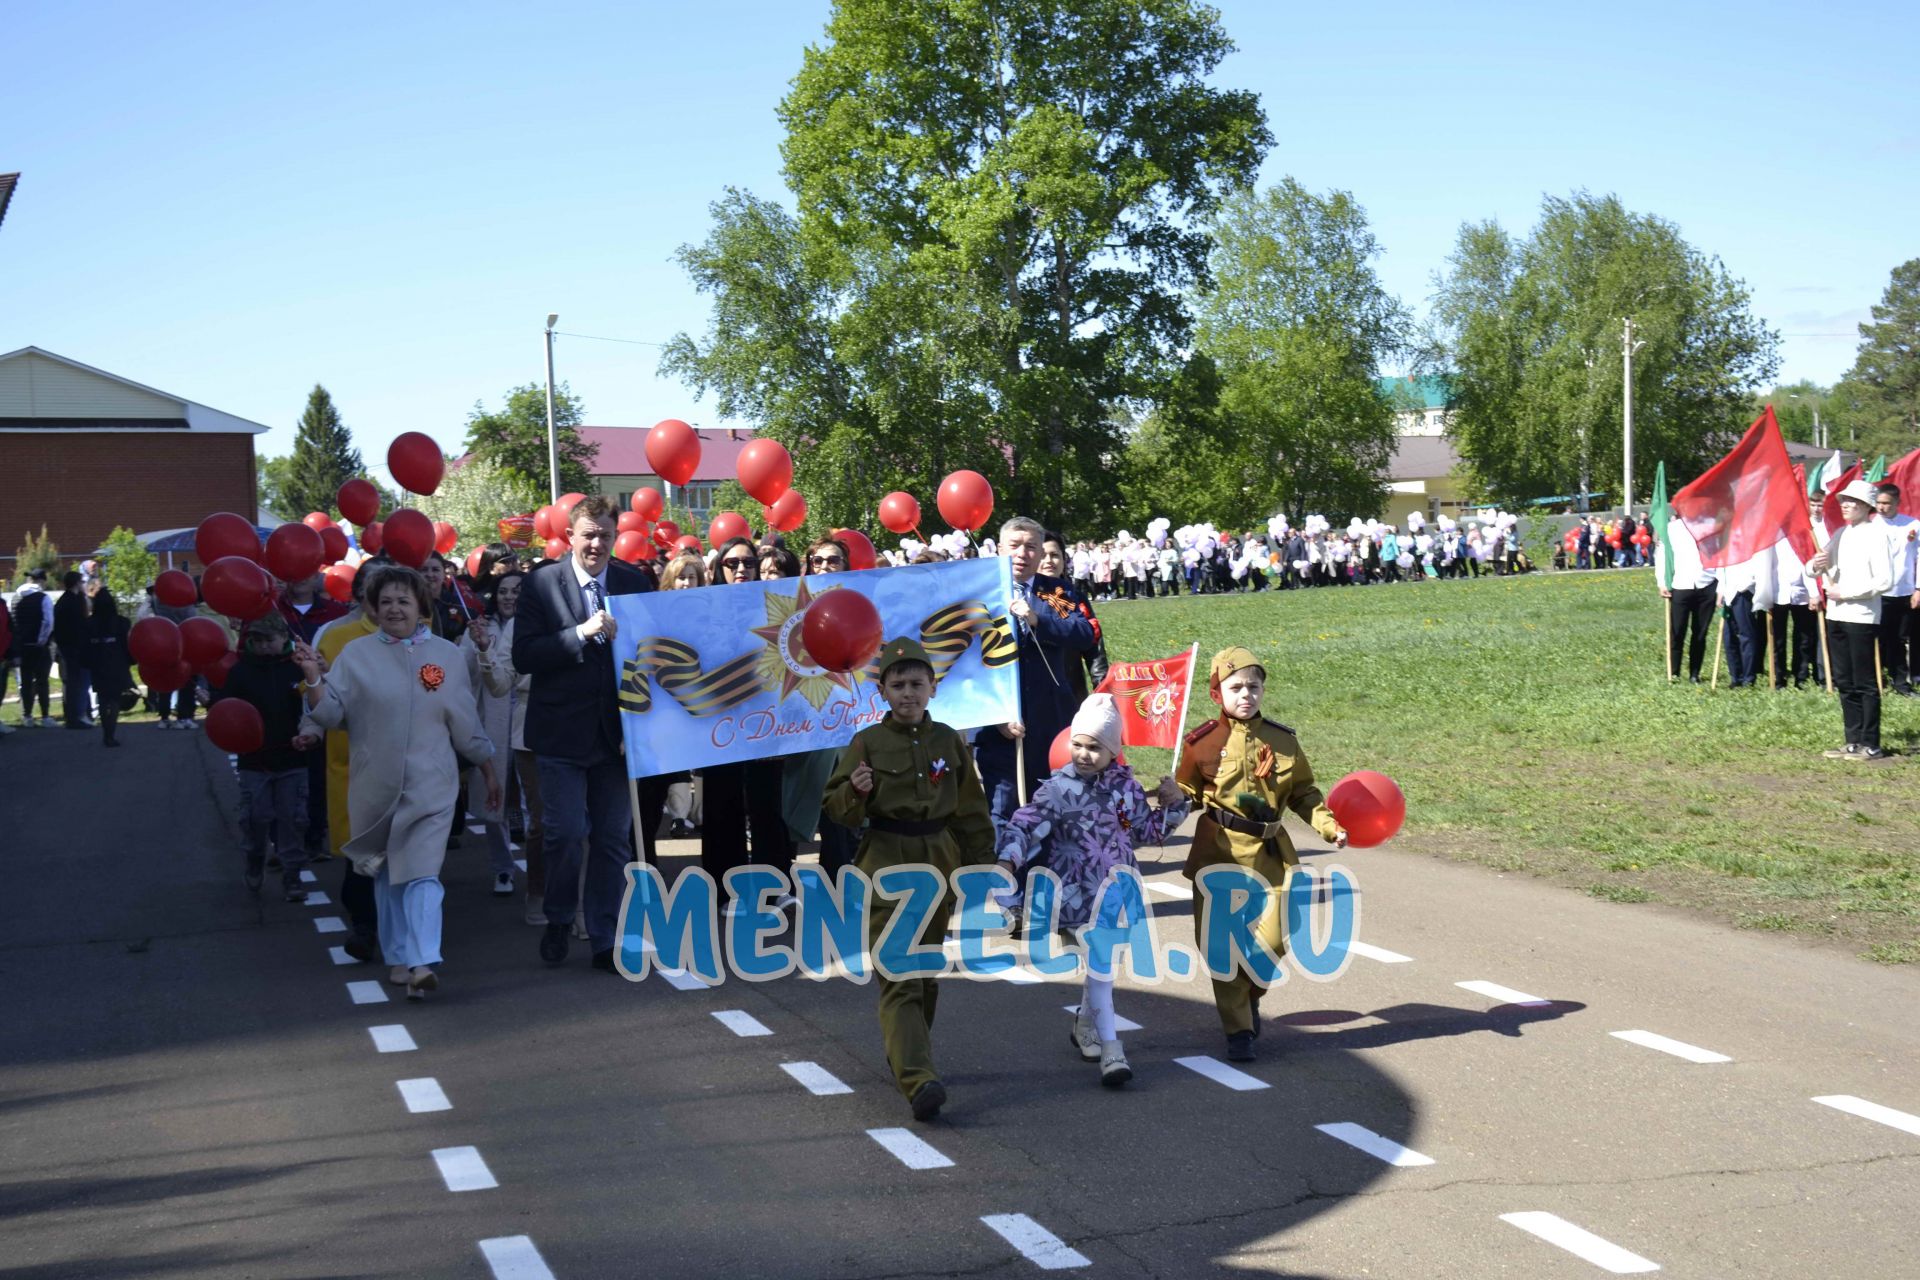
column 1531, row 726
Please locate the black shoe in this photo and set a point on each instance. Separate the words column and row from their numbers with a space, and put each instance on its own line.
column 1240, row 1047
column 928, row 1099
column 361, row 949
column 1256, row 1020
column 553, row 944
column 603, row 960
column 253, row 876
column 1874, row 755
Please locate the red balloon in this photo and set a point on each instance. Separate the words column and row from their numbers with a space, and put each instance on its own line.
column 408, row 536
column 333, row 544
column 340, row 581
column 358, row 501
column 1060, row 754
column 1369, row 806
column 787, row 513
column 225, row 534
column 966, row 500
column 860, row 554
column 317, row 520
column 217, row 673
column 842, row 630
column 689, row 541
column 233, row 725
column 295, row 551
column 543, row 523
column 649, row 550
column 766, row 470
column 666, row 533
column 176, row 589
column 631, row 522
column 673, row 450
column 565, row 506
column 900, row 512
column 416, row 462
column 629, row 545
column 555, row 548
column 726, row 527
column 165, row 677
column 473, row 562
column 648, row 504
column 238, row 588
column 203, row 642
column 155, row 642
column 445, row 537
column 373, row 537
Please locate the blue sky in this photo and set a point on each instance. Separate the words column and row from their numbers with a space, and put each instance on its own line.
column 233, row 202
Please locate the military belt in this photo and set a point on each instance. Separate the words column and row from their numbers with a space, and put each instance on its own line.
column 1243, row 826
column 904, row 827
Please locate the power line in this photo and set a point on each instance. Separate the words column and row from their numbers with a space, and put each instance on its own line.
column 597, row 337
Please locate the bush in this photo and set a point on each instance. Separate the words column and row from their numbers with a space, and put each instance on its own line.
column 128, row 566
column 36, row 553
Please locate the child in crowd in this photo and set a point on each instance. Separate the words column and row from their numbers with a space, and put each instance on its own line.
column 1087, row 819
column 911, row 781
column 273, row 779
column 1241, row 772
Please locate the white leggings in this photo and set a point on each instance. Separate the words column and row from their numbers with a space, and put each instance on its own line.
column 1099, row 998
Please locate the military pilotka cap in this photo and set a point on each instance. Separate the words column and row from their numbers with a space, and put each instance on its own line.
column 1225, row 663
column 904, row 649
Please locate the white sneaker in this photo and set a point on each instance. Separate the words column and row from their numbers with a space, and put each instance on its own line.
column 5, row 729
column 503, row 885
column 48, row 722
column 188, row 724
column 536, row 912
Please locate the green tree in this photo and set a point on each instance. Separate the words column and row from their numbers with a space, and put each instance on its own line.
column 1794, row 406
column 272, row 476
column 127, row 565
column 515, row 438
column 1298, row 323
column 36, row 553
column 323, row 459
column 1876, row 407
column 475, row 495
column 1529, row 332
column 999, row 207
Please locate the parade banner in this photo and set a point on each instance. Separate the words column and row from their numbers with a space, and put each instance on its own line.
column 1152, row 698
column 722, row 674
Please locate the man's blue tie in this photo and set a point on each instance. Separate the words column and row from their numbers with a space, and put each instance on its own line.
column 596, row 597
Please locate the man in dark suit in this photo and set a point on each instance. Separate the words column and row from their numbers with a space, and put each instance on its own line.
column 563, row 638
column 1054, row 636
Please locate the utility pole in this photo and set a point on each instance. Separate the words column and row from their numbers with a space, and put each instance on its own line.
column 1627, row 347
column 553, row 437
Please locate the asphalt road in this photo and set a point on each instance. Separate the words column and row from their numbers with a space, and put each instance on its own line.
column 188, row 1088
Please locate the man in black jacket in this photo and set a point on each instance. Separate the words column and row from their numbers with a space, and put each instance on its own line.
column 70, row 638
column 563, row 637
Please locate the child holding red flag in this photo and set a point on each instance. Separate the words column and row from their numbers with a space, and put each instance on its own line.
column 1088, row 818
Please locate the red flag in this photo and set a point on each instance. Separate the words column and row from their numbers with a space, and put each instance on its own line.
column 1152, row 697
column 1830, row 505
column 1747, row 501
column 1906, row 474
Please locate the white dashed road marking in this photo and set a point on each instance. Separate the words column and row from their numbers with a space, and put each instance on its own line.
column 1505, row 995
column 1220, row 1073
column 1373, row 1144
column 1872, row 1111
column 742, row 1023
column 307, row 877
column 515, row 1258
column 913, row 1152
column 817, row 1079
column 1368, row 951
column 1119, row 1023
column 1036, row 1244
column 463, row 1169
column 1678, row 1048
column 392, row 1038
column 681, row 980
column 423, row 1094
column 1581, row 1243
column 1180, row 891
column 367, row 992
column 329, row 924
column 339, row 955
column 520, row 863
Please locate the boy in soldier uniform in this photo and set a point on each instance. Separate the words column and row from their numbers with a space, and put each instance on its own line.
column 911, row 781
column 1241, row 772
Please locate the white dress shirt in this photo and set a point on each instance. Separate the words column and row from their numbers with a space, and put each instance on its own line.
column 1901, row 531
column 1859, row 571
column 1678, row 544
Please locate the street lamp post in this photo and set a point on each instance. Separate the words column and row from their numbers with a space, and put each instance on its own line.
column 1627, row 347
column 553, row 437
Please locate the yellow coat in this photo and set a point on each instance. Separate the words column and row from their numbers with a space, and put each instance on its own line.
column 335, row 637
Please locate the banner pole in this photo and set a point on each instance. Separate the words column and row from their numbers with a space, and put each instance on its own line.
column 1826, row 659
column 1879, row 672
column 1718, row 644
column 633, row 798
column 1180, row 725
column 1669, row 603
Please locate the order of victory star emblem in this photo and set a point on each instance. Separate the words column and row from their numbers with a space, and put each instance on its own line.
column 786, row 663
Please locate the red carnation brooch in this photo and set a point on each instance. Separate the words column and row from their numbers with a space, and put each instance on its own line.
column 432, row 676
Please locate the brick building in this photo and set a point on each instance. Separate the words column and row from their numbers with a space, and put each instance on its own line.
column 83, row 450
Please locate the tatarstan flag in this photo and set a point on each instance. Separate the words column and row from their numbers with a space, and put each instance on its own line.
column 1152, row 697
column 1659, row 514
column 1746, row 502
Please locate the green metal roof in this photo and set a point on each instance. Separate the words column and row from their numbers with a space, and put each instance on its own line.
column 1432, row 389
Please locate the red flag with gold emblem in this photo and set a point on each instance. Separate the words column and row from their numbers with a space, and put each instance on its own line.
column 1747, row 501
column 1152, row 697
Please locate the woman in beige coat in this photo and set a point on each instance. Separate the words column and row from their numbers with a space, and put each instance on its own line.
column 404, row 697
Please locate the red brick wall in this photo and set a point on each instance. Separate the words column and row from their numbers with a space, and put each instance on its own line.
column 81, row 485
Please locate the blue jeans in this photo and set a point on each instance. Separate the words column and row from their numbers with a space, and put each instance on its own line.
column 76, row 683
column 1740, row 641
column 586, row 812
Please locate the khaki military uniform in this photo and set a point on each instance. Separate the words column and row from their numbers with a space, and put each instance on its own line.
column 1222, row 760
column 926, row 806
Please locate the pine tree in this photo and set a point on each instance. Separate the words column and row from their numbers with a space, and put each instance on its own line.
column 323, row 458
